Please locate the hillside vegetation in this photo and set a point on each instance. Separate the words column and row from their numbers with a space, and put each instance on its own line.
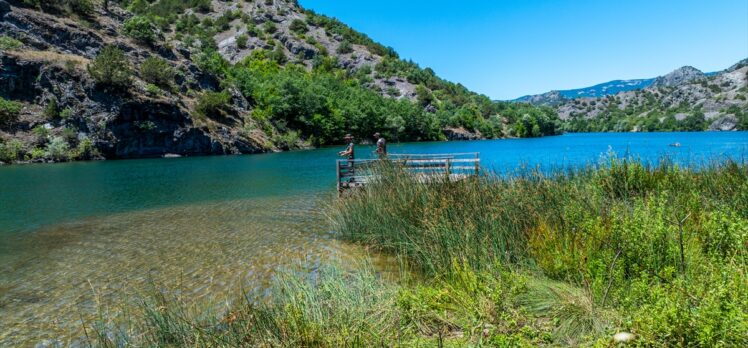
column 683, row 100
column 135, row 78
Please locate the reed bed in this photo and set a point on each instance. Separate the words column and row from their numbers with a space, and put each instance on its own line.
column 525, row 259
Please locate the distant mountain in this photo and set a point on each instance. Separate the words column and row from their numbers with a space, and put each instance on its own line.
column 599, row 90
column 674, row 78
column 685, row 99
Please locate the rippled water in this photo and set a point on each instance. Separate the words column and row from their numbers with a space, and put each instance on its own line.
column 77, row 236
column 204, row 250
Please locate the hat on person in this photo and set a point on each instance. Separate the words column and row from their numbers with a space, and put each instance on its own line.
column 376, row 135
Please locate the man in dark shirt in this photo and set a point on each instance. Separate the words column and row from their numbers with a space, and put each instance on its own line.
column 381, row 150
column 348, row 152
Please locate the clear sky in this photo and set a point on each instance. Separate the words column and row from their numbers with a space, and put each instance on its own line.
column 506, row 49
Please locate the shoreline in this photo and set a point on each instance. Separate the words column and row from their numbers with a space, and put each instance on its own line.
column 176, row 155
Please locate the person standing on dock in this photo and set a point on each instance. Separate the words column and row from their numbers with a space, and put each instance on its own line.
column 381, row 150
column 349, row 151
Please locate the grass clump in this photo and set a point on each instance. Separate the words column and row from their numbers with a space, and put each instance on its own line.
column 335, row 308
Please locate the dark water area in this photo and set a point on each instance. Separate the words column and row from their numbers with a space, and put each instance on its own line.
column 76, row 235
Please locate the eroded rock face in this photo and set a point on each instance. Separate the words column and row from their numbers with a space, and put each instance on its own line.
column 51, row 68
column 18, row 78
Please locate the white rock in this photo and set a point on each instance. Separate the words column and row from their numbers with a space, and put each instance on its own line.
column 623, row 337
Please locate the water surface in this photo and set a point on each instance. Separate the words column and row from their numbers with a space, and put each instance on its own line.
column 75, row 236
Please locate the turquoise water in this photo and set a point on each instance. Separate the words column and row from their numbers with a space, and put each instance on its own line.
column 36, row 195
column 76, row 234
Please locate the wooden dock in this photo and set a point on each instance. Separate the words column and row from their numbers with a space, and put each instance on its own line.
column 424, row 167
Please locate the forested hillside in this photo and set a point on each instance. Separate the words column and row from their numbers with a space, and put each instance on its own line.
column 88, row 79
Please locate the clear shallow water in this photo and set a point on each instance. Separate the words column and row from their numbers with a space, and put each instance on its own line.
column 77, row 233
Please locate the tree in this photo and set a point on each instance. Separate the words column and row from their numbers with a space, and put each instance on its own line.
column 110, row 68
column 424, row 95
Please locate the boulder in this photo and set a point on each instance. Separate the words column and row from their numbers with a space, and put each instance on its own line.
column 724, row 123
column 454, row 134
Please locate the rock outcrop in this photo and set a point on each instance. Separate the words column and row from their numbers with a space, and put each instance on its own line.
column 678, row 77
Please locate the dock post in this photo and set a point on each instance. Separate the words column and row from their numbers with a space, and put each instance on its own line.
column 337, row 171
column 446, row 168
column 477, row 163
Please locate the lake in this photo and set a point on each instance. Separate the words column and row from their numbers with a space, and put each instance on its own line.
column 78, row 236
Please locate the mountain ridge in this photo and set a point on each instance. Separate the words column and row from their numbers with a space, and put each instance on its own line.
column 613, row 87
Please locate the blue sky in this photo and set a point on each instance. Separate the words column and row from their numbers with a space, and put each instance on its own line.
column 506, row 49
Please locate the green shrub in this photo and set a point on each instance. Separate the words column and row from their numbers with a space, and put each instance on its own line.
column 70, row 135
column 36, row 153
column 11, row 151
column 58, row 149
column 67, row 113
column 52, row 110
column 213, row 63
column 111, row 68
column 212, row 104
column 81, row 7
column 298, row 26
column 157, row 71
column 9, row 111
column 86, row 150
column 8, row 43
column 269, row 27
column 345, row 47
column 241, row 41
column 41, row 132
column 141, row 29
column 725, row 234
column 153, row 90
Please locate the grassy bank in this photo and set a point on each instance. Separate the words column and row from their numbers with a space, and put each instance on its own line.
column 531, row 259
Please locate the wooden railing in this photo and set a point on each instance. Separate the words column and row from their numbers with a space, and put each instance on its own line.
column 426, row 168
